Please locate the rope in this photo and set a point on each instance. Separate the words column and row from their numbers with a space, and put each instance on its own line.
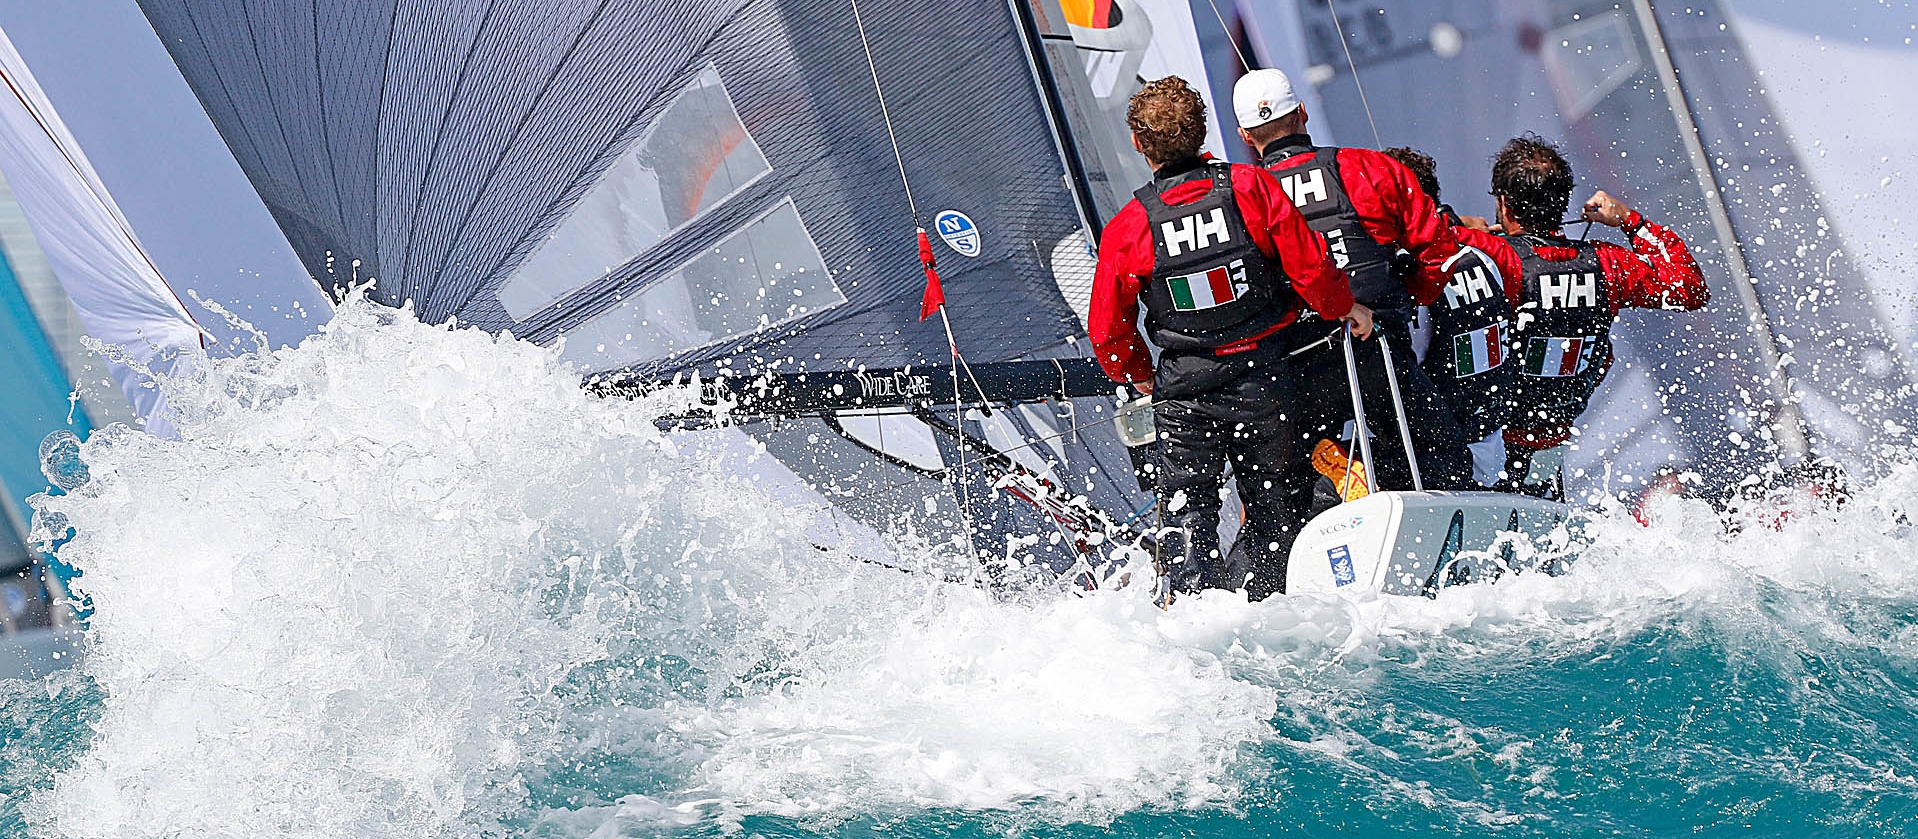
column 1243, row 64
column 1347, row 46
column 884, row 113
column 952, row 342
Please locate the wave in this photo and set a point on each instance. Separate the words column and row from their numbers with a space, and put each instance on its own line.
column 406, row 581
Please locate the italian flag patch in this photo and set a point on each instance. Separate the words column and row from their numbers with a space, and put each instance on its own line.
column 1193, row 292
column 1478, row 351
column 1553, row 358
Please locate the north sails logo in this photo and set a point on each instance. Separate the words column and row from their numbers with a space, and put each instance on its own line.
column 897, row 385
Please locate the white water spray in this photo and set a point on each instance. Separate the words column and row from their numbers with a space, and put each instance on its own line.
column 403, row 581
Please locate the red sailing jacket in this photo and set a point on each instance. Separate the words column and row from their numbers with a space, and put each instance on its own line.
column 1126, row 261
column 1657, row 273
column 1391, row 206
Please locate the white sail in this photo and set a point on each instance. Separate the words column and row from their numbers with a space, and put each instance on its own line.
column 121, row 298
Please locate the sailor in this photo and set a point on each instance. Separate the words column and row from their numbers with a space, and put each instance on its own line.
column 1368, row 206
column 1468, row 357
column 1221, row 262
column 1565, row 295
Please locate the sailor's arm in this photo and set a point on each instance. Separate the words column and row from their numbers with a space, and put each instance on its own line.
column 1301, row 253
column 1396, row 211
column 1113, row 321
column 1660, row 272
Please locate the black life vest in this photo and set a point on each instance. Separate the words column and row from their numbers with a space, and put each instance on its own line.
column 1317, row 188
column 1562, row 327
column 1470, row 358
column 1211, row 285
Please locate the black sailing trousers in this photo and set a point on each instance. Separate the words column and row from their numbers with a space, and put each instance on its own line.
column 1215, row 413
column 1325, row 400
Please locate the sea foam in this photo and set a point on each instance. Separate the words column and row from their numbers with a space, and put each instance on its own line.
column 407, row 581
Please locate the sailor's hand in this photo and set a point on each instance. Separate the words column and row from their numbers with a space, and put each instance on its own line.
column 1360, row 321
column 1606, row 210
column 1144, row 387
column 1476, row 223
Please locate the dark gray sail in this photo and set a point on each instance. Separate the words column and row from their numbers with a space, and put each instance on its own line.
column 481, row 160
column 668, row 184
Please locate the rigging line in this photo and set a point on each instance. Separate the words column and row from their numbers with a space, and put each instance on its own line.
column 959, row 422
column 1243, row 64
column 1353, row 65
column 885, row 114
column 952, row 342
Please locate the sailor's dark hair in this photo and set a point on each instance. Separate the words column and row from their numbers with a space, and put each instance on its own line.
column 1535, row 181
column 1168, row 117
column 1422, row 165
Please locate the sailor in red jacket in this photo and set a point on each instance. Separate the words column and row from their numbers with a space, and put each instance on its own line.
column 1565, row 295
column 1220, row 261
column 1469, row 357
column 1369, row 206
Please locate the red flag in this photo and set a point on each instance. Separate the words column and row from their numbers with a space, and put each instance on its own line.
column 935, row 296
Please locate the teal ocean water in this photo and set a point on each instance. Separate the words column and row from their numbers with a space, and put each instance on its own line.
column 408, row 582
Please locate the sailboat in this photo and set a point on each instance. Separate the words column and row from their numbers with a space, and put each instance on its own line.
column 733, row 191
column 763, row 197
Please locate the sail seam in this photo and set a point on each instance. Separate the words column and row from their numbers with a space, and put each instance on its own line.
column 485, row 184
column 439, row 136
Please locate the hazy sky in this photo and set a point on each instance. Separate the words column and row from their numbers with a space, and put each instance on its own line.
column 118, row 90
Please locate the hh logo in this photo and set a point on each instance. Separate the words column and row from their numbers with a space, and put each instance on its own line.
column 1305, row 187
column 1568, row 291
column 1196, row 232
column 1468, row 286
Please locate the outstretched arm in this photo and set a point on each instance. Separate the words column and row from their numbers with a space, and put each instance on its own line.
column 1299, row 249
column 1406, row 217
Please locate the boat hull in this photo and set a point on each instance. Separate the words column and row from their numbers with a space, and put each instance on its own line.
column 1414, row 543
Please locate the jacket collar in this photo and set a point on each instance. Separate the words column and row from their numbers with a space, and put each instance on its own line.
column 1179, row 171
column 1286, row 147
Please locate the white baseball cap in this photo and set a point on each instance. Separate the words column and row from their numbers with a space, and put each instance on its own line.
column 1262, row 96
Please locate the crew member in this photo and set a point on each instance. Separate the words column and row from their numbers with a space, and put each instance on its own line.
column 1368, row 206
column 1221, row 262
column 1470, row 326
column 1565, row 296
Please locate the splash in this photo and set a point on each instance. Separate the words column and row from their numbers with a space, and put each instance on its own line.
column 390, row 577
column 407, row 581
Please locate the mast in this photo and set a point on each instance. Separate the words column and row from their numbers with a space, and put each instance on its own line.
column 1076, row 180
column 1789, row 424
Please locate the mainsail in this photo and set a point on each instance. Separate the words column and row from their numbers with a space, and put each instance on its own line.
column 690, row 185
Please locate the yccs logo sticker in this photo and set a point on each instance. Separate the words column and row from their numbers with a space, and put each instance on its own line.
column 958, row 232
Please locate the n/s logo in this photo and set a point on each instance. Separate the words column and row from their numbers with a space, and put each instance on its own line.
column 958, row 231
